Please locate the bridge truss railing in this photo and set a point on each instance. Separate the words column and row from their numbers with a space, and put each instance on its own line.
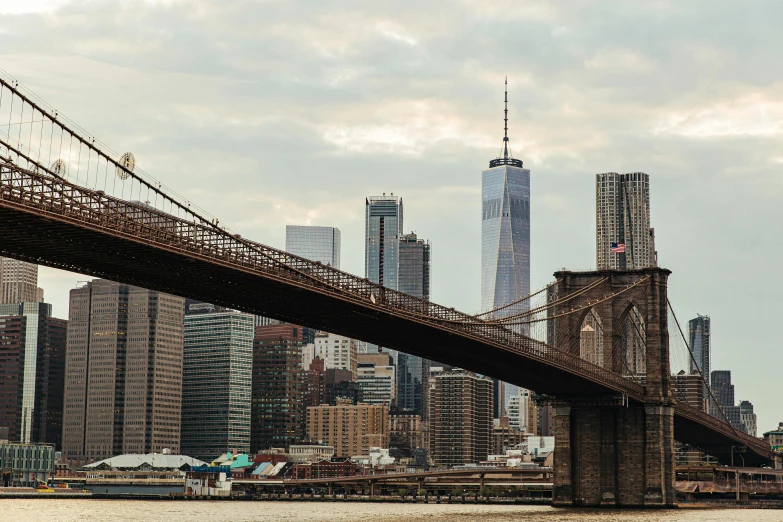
column 695, row 414
column 46, row 194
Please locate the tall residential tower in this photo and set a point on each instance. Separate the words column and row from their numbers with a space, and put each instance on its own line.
column 624, row 239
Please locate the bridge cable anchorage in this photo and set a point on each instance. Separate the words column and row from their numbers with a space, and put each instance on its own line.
column 699, row 370
column 550, row 304
column 518, row 301
column 581, row 308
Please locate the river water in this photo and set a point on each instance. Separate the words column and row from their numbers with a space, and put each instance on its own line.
column 73, row 510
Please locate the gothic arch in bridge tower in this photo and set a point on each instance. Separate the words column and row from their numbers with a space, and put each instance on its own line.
column 591, row 338
column 632, row 348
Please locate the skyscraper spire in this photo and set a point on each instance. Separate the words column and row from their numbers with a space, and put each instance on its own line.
column 505, row 124
column 507, row 158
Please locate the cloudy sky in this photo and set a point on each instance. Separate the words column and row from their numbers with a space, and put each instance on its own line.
column 270, row 113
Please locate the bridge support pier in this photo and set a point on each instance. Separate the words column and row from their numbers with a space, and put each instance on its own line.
column 619, row 456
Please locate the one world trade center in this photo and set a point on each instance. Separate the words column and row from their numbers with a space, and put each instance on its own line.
column 505, row 240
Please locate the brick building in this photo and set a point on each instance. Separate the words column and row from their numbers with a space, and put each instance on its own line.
column 352, row 429
column 406, row 433
column 276, row 409
column 325, row 469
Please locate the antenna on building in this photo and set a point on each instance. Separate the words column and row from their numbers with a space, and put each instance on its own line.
column 505, row 123
column 507, row 158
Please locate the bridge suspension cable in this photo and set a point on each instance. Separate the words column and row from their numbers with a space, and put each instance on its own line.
column 550, row 304
column 699, row 371
column 582, row 308
column 518, row 301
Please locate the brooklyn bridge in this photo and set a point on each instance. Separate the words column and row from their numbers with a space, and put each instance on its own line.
column 70, row 202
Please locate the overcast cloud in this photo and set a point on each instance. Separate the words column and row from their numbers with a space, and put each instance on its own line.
column 270, row 113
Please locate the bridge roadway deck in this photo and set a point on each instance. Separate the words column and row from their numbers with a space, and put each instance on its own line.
column 50, row 222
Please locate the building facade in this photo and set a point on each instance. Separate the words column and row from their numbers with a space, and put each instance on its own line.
column 276, row 411
column 723, row 404
column 338, row 352
column 748, row 417
column 406, row 433
column 689, row 388
column 216, row 382
column 32, row 373
column 19, row 282
column 623, row 220
column 505, row 242
column 320, row 244
column 377, row 379
column 352, row 429
column 505, row 235
column 123, row 371
column 699, row 334
column 518, row 409
column 460, row 418
column 414, row 279
column 383, row 231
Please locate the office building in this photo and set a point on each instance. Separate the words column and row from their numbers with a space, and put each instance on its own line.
column 689, row 388
column 276, row 411
column 377, row 379
column 383, row 231
column 314, row 384
column 26, row 465
column 518, row 409
column 340, row 385
column 352, row 429
column 723, row 406
column 699, row 334
column 320, row 244
column 460, row 418
column 338, row 352
column 123, row 371
column 505, row 240
column 414, row 271
column 748, row 417
column 505, row 229
column 414, row 279
column 32, row 373
column 624, row 239
column 19, row 282
column 216, row 381
column 505, row 437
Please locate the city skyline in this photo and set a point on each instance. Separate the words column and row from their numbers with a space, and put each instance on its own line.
column 706, row 155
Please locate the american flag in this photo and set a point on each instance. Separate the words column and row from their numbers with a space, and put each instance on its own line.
column 618, row 248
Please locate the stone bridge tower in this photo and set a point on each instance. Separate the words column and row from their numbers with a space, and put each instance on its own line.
column 611, row 451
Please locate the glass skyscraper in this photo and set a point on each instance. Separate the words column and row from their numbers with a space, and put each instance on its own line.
column 414, row 279
column 314, row 243
column 505, row 238
column 216, row 381
column 699, row 330
column 383, row 230
column 505, row 235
